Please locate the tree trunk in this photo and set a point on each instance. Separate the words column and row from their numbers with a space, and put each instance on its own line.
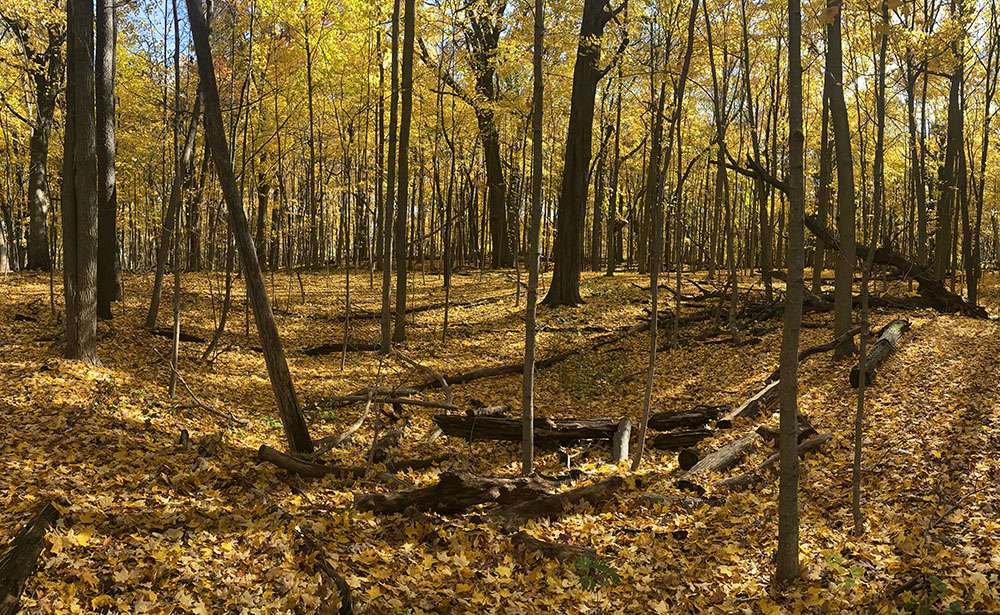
column 274, row 355
column 46, row 80
column 531, row 259
column 406, row 107
column 108, row 265
column 565, row 286
column 844, row 270
column 788, row 503
column 79, row 200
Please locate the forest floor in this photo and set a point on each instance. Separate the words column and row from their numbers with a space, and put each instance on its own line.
column 150, row 526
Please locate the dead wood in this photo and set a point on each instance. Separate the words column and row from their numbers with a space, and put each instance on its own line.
column 18, row 561
column 553, row 505
column 717, row 461
column 352, row 346
column 509, row 429
column 457, row 491
column 695, row 417
column 681, row 439
column 552, row 550
column 752, row 476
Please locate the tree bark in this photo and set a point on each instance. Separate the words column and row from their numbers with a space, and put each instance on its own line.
column 79, row 201
column 844, row 270
column 274, row 355
column 565, row 286
column 406, row 107
column 108, row 265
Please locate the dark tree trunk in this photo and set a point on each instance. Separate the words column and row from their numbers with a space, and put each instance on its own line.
column 79, row 199
column 108, row 265
column 274, row 355
column 406, row 109
column 46, row 75
column 565, row 287
column 845, row 182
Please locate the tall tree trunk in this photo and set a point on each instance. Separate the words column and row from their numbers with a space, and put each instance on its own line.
column 878, row 201
column 79, row 199
column 844, row 270
column 823, row 191
column 534, row 231
column 788, row 486
column 170, row 216
column 565, row 287
column 108, row 265
column 46, row 76
column 390, row 190
column 406, row 110
column 953, row 150
column 274, row 355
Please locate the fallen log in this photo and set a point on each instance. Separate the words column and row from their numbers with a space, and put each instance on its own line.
column 933, row 290
column 888, row 338
column 309, row 548
column 552, row 550
column 765, row 400
column 435, row 306
column 695, row 417
column 509, row 429
column 457, row 491
column 717, row 461
column 681, row 439
column 488, row 411
column 808, row 352
column 305, row 468
column 352, row 346
column 752, row 476
column 393, row 401
column 554, row 505
column 169, row 333
column 686, row 501
column 688, row 457
column 770, row 434
column 18, row 561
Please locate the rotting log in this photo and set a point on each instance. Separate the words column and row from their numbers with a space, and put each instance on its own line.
column 765, row 400
column 393, row 401
column 621, row 441
column 552, row 550
column 457, row 491
column 681, row 439
column 718, row 460
column 488, row 411
column 185, row 337
column 509, row 429
column 18, row 560
column 686, row 501
column 687, row 457
column 928, row 286
column 553, row 505
column 752, row 476
column 695, row 417
column 305, row 468
column 352, row 346
column 888, row 339
column 771, row 434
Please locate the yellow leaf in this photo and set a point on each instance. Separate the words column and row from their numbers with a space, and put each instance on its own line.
column 84, row 535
